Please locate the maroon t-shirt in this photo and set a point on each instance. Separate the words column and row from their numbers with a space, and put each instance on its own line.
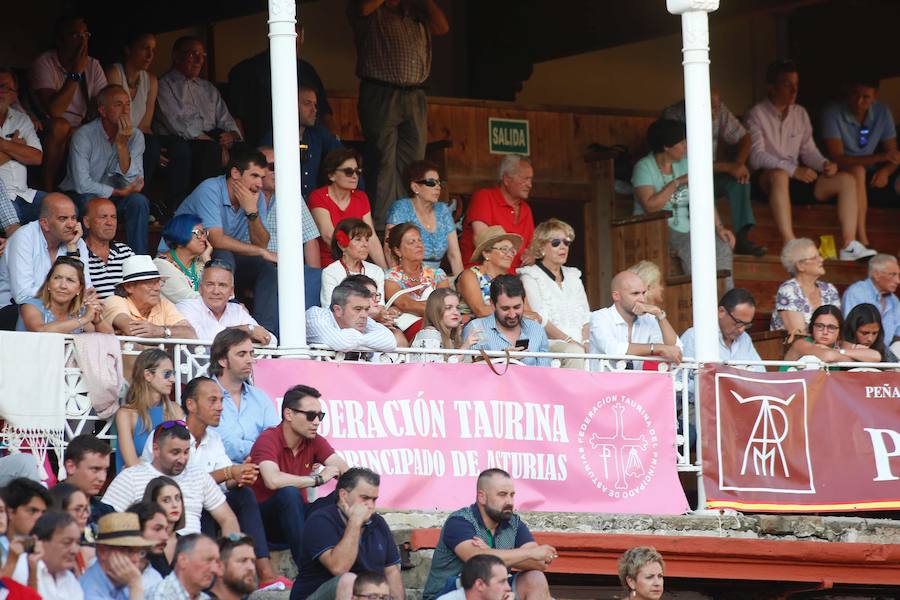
column 271, row 445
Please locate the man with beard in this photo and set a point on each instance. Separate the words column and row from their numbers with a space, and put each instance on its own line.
column 196, row 567
column 230, row 207
column 346, row 539
column 155, row 528
column 490, row 527
column 238, row 579
column 171, row 449
column 631, row 325
column 506, row 328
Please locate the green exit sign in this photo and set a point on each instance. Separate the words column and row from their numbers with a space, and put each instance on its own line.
column 508, row 136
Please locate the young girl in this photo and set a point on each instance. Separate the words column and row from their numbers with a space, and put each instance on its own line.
column 442, row 327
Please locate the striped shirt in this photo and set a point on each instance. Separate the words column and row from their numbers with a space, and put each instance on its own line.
column 106, row 275
column 198, row 489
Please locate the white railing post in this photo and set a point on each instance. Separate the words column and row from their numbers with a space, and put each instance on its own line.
column 695, row 33
column 286, row 137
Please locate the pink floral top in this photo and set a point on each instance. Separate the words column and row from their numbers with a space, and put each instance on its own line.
column 430, row 277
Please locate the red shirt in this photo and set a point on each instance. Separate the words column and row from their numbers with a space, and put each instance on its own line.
column 271, row 445
column 357, row 208
column 489, row 207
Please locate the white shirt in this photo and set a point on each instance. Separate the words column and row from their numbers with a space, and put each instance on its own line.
column 741, row 348
column 208, row 326
column 335, row 273
column 566, row 307
column 609, row 332
column 62, row 586
column 322, row 328
column 198, row 489
column 209, row 455
column 25, row 263
column 14, row 174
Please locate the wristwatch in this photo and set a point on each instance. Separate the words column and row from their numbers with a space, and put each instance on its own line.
column 662, row 315
column 167, row 333
column 251, row 216
column 76, row 77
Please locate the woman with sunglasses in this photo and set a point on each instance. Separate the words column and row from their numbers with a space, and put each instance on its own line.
column 433, row 218
column 863, row 326
column 555, row 291
column 495, row 249
column 147, row 404
column 181, row 266
column 825, row 343
column 350, row 247
column 341, row 199
column 63, row 305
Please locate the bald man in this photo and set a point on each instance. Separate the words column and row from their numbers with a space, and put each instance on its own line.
column 32, row 250
column 631, row 325
column 105, row 255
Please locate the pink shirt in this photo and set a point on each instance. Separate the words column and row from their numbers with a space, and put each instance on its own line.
column 47, row 73
column 782, row 144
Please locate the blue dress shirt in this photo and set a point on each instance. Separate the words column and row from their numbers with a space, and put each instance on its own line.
column 240, row 427
column 211, row 203
column 94, row 164
column 741, row 349
column 495, row 340
column 98, row 586
column 865, row 292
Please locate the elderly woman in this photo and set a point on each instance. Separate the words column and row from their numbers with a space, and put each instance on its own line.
column 863, row 326
column 341, row 199
column 799, row 296
column 641, row 573
column 825, row 343
column 181, row 266
column 495, row 249
column 555, row 291
column 425, row 210
column 62, row 304
column 660, row 182
column 350, row 249
column 651, row 275
column 405, row 243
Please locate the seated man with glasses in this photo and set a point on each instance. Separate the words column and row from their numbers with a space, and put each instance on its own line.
column 213, row 312
column 138, row 308
column 736, row 310
column 860, row 136
column 286, row 455
column 371, row 586
column 116, row 574
column 346, row 540
column 171, row 451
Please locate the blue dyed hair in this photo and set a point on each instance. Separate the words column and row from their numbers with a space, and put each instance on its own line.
column 179, row 230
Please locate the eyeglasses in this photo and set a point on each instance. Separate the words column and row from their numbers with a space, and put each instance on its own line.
column 745, row 324
column 349, row 171
column 809, row 258
column 430, row 182
column 555, row 242
column 218, row 263
column 310, row 415
column 5, row 87
column 199, row 233
column 863, row 139
column 70, row 260
column 508, row 250
column 826, row 327
column 80, row 510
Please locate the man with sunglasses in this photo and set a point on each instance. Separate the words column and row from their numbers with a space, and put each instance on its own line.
column 736, row 311
column 286, row 455
column 860, row 136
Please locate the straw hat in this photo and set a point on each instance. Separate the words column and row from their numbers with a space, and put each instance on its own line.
column 491, row 235
column 139, row 267
column 121, row 529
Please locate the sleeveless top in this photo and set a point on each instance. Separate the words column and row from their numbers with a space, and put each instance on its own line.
column 140, row 434
column 139, row 102
column 446, row 564
column 484, row 282
column 45, row 312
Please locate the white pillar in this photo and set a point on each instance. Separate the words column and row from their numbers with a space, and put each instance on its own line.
column 695, row 33
column 286, row 126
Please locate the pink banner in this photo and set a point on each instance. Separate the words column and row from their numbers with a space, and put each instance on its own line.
column 573, row 441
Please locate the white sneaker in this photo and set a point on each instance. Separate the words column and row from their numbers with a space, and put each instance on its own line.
column 856, row 251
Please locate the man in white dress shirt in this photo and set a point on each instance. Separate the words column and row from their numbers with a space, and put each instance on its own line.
column 212, row 312
column 59, row 535
column 736, row 311
column 347, row 325
column 631, row 325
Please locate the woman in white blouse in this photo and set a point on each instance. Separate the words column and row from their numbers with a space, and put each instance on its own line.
column 350, row 249
column 556, row 292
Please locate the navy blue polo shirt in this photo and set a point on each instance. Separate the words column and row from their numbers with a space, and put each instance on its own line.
column 457, row 530
column 324, row 529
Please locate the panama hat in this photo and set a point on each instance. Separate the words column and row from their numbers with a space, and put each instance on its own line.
column 139, row 267
column 121, row 529
column 490, row 236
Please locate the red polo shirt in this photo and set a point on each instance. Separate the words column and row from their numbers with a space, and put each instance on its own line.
column 489, row 207
column 271, row 445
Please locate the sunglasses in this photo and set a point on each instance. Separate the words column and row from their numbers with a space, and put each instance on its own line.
column 430, row 182
column 168, row 374
column 349, row 171
column 555, row 242
column 863, row 139
column 169, row 425
column 310, row 415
